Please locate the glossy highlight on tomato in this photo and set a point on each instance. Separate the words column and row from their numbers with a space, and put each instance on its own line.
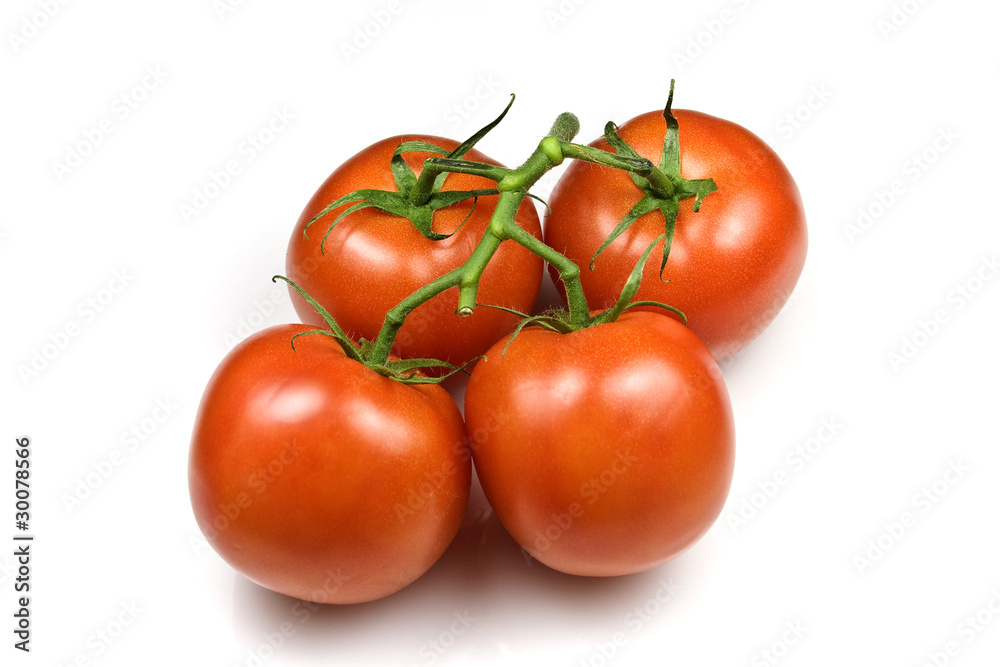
column 373, row 260
column 732, row 265
column 319, row 478
column 618, row 450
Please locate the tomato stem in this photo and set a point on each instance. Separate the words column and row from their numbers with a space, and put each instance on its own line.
column 428, row 183
column 569, row 272
column 663, row 186
column 433, row 167
column 513, row 185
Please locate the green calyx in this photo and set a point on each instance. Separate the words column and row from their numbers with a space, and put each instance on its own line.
column 405, row 371
column 663, row 187
column 630, row 289
column 557, row 320
column 560, row 321
column 417, row 198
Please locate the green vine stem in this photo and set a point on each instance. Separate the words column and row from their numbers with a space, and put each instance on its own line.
column 513, row 186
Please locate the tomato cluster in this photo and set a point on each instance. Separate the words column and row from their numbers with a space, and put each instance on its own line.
column 327, row 463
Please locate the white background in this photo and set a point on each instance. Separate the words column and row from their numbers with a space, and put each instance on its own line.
column 850, row 101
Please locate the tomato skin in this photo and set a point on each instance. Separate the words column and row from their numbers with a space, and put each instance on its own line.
column 606, row 451
column 732, row 265
column 317, row 477
column 373, row 260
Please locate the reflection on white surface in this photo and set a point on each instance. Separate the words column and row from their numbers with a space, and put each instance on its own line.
column 484, row 602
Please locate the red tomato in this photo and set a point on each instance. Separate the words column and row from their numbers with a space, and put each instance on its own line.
column 374, row 260
column 605, row 451
column 732, row 265
column 318, row 478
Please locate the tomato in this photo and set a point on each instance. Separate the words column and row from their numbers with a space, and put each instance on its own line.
column 605, row 451
column 317, row 477
column 732, row 265
column 373, row 260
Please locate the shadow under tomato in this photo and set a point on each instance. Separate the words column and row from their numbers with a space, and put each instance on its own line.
column 485, row 597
